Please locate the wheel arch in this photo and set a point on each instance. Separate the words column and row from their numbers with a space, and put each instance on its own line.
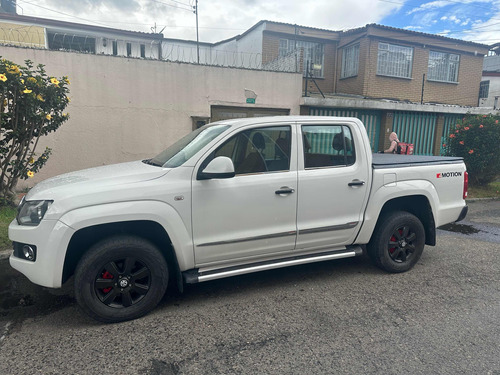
column 149, row 230
column 417, row 205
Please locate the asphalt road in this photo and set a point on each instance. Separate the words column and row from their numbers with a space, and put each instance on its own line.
column 338, row 317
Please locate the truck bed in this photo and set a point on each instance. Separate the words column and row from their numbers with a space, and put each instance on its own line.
column 381, row 161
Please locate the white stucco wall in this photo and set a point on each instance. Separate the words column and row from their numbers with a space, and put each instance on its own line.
column 494, row 90
column 252, row 42
column 128, row 109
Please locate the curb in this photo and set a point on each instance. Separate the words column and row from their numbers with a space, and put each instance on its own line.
column 4, row 254
column 482, row 199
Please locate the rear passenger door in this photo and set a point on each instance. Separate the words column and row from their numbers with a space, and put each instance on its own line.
column 333, row 185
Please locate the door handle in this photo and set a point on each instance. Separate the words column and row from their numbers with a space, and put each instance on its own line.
column 284, row 190
column 356, row 183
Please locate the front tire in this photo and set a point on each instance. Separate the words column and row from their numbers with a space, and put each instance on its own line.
column 398, row 242
column 120, row 278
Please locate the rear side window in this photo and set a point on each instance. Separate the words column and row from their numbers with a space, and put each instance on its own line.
column 327, row 146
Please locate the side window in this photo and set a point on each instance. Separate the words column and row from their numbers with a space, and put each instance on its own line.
column 327, row 146
column 258, row 150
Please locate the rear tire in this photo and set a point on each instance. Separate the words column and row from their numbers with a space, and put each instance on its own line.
column 398, row 242
column 120, row 278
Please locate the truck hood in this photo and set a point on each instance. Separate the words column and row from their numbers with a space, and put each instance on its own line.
column 95, row 179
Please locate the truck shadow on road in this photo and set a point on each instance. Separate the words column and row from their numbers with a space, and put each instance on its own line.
column 21, row 299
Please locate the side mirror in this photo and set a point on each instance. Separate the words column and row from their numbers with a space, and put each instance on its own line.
column 220, row 167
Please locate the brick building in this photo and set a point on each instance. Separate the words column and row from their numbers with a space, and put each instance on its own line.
column 414, row 83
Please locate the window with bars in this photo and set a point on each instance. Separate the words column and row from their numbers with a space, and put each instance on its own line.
column 443, row 67
column 484, row 89
column 313, row 53
column 394, row 60
column 350, row 61
column 59, row 41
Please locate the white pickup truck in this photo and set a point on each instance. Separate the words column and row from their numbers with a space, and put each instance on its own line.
column 230, row 198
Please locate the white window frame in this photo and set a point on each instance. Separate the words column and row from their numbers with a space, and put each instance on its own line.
column 394, row 60
column 350, row 61
column 484, row 89
column 445, row 72
column 313, row 51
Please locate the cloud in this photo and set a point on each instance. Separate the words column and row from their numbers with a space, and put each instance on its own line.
column 218, row 19
column 428, row 6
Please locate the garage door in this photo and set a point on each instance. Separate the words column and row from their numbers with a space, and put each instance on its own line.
column 371, row 120
column 417, row 128
column 225, row 113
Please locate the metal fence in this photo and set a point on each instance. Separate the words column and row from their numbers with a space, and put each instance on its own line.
column 371, row 120
column 154, row 49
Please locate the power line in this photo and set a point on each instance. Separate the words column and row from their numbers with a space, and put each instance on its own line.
column 173, row 6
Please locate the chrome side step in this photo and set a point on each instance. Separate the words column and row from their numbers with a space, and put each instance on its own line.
column 193, row 276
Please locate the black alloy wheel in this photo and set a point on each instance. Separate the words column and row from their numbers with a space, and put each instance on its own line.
column 120, row 278
column 123, row 282
column 401, row 247
column 397, row 242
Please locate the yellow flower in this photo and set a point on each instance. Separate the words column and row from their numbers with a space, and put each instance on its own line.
column 65, row 115
column 22, row 81
column 54, row 81
column 30, row 174
column 13, row 69
column 68, row 99
column 67, row 81
column 3, row 77
column 40, row 97
column 31, row 161
column 32, row 80
column 48, row 117
column 5, row 103
column 26, row 91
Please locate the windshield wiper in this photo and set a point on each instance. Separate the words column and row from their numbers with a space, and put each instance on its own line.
column 151, row 162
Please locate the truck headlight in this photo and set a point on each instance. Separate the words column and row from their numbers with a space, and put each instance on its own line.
column 32, row 212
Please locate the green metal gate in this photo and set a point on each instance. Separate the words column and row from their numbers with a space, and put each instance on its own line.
column 417, row 128
column 450, row 122
column 371, row 120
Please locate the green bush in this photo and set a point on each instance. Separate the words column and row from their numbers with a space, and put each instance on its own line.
column 31, row 106
column 477, row 139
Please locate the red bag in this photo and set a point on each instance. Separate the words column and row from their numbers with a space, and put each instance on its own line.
column 404, row 148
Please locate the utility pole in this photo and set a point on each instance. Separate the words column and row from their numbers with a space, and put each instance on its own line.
column 195, row 11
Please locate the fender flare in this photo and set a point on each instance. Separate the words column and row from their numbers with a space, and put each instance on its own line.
column 402, row 189
column 146, row 210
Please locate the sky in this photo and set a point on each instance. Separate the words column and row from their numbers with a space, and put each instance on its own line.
column 473, row 20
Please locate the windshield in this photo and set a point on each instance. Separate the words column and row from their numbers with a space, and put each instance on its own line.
column 182, row 150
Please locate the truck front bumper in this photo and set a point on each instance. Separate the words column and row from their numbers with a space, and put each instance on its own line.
column 50, row 241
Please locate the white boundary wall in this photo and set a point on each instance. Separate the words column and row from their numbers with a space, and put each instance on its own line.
column 128, row 109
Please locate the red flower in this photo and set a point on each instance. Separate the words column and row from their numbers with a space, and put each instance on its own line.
column 452, row 135
column 461, row 142
column 481, row 126
column 485, row 116
column 471, row 151
column 496, row 121
column 466, row 128
column 444, row 144
column 457, row 126
column 456, row 131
